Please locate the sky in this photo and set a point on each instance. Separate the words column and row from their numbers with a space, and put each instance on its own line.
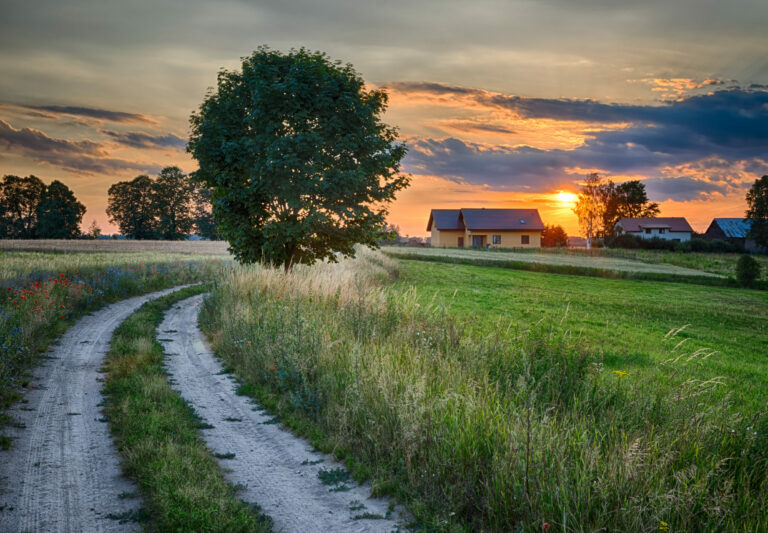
column 501, row 103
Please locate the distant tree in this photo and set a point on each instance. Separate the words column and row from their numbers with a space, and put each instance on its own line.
column 590, row 206
column 628, row 199
column 93, row 232
column 172, row 198
column 131, row 206
column 19, row 199
column 202, row 213
column 301, row 166
column 389, row 234
column 757, row 210
column 59, row 213
column 602, row 203
column 554, row 237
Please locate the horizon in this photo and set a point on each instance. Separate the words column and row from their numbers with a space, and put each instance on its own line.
column 501, row 105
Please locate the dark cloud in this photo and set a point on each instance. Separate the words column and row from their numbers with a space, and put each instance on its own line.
column 90, row 112
column 682, row 188
column 82, row 157
column 139, row 139
column 721, row 128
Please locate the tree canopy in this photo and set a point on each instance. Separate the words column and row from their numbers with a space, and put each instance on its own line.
column 29, row 209
column 757, row 210
column 59, row 213
column 602, row 203
column 169, row 207
column 300, row 164
column 130, row 206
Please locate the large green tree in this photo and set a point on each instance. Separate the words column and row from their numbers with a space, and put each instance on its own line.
column 19, row 199
column 173, row 197
column 300, row 163
column 59, row 213
column 757, row 210
column 131, row 206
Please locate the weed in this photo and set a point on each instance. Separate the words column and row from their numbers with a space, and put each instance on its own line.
column 228, row 455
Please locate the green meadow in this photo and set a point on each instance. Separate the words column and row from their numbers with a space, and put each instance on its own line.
column 626, row 322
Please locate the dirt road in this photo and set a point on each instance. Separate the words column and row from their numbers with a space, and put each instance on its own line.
column 62, row 473
column 279, row 471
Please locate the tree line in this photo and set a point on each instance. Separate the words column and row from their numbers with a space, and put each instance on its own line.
column 169, row 207
column 30, row 209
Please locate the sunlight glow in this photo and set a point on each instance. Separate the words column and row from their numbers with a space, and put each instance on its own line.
column 567, row 197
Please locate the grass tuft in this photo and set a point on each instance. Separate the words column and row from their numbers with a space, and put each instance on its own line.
column 156, row 435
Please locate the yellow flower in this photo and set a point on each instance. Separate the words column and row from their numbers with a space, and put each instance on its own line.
column 663, row 526
column 621, row 373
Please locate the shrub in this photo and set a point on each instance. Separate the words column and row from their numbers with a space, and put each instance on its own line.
column 747, row 270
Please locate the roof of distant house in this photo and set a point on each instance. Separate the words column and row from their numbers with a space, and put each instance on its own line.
column 734, row 228
column 671, row 223
column 445, row 219
column 481, row 219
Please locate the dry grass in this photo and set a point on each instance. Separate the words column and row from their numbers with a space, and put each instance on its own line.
column 15, row 265
column 123, row 245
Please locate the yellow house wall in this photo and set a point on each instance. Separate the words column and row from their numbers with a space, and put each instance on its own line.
column 509, row 239
column 442, row 239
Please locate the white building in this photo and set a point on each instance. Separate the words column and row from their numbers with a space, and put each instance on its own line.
column 668, row 228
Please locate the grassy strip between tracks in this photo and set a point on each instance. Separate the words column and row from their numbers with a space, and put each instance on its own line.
column 156, row 433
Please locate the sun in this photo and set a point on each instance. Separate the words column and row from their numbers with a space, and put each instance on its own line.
column 566, row 197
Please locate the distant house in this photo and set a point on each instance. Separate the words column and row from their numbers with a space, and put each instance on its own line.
column 668, row 228
column 735, row 230
column 485, row 228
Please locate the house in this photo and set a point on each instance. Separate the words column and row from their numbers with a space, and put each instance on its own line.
column 485, row 228
column 668, row 228
column 735, row 230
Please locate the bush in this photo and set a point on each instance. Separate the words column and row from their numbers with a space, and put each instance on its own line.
column 747, row 270
column 696, row 244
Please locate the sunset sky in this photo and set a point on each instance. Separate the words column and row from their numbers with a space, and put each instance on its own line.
column 502, row 103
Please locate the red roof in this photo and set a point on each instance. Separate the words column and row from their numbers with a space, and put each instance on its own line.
column 638, row 224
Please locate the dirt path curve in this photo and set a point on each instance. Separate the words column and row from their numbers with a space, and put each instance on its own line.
column 62, row 473
column 279, row 471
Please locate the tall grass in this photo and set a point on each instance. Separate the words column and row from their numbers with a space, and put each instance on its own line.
column 504, row 432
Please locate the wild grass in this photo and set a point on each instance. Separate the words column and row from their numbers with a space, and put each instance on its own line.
column 42, row 294
column 15, row 265
column 504, row 430
column 156, row 435
column 116, row 246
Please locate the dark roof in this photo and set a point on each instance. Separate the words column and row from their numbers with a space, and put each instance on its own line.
column 445, row 219
column 673, row 223
column 734, row 228
column 481, row 219
column 502, row 219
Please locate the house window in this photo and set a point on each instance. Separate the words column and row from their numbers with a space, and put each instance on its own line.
column 662, row 230
column 648, row 231
column 497, row 239
column 525, row 239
